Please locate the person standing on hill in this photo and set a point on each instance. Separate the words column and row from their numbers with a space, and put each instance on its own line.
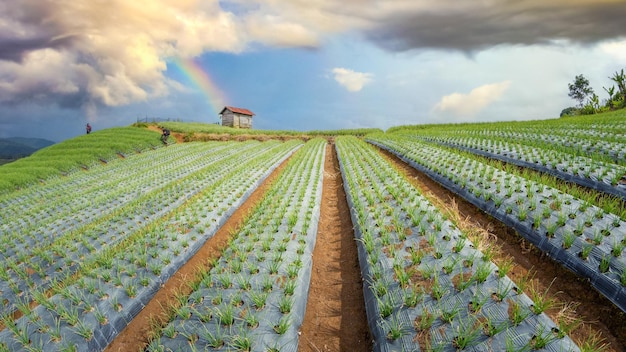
column 88, row 128
column 166, row 134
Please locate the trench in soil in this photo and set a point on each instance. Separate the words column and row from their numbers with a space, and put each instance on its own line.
column 136, row 336
column 335, row 318
column 598, row 314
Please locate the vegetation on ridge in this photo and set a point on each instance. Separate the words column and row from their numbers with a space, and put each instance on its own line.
column 74, row 154
column 197, row 127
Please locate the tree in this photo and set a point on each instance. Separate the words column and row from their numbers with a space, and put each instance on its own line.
column 593, row 106
column 620, row 79
column 580, row 89
column 610, row 103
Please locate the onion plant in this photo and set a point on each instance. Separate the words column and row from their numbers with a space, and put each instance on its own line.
column 554, row 203
column 442, row 248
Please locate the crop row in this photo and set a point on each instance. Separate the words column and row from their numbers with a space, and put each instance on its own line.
column 106, row 275
column 582, row 170
column 75, row 154
column 92, row 194
column 602, row 145
column 601, row 137
column 34, row 259
column 428, row 286
column 583, row 237
column 605, row 147
column 253, row 297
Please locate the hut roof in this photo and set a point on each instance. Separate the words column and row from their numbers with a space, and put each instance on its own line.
column 237, row 110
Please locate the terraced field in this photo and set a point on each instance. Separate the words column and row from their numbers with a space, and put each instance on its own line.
column 490, row 237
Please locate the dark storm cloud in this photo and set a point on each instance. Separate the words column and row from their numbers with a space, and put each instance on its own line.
column 28, row 27
column 471, row 25
column 13, row 49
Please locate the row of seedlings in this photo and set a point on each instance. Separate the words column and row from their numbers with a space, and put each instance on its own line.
column 253, row 297
column 86, row 310
column 605, row 146
column 54, row 208
column 583, row 170
column 80, row 153
column 39, row 258
column 583, row 237
column 54, row 186
column 94, row 207
column 428, row 286
column 116, row 183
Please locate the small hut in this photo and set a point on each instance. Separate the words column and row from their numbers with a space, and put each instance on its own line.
column 236, row 117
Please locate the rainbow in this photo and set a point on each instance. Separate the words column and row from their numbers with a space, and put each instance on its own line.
column 200, row 77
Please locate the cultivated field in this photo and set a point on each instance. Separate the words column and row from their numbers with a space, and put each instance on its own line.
column 477, row 237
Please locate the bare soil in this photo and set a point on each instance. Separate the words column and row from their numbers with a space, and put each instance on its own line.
column 600, row 317
column 335, row 318
column 205, row 137
column 136, row 335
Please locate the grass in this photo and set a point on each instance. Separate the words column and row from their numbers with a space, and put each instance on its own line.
column 594, row 343
column 196, row 127
column 411, row 297
column 567, row 320
column 73, row 154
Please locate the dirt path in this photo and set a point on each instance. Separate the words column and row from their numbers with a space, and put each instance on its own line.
column 135, row 337
column 335, row 317
column 599, row 315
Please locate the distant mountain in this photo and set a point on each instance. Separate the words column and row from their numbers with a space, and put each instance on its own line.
column 36, row 143
column 19, row 147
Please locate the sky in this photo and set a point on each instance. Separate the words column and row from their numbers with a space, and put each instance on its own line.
column 299, row 64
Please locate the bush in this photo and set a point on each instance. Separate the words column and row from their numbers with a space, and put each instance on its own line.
column 588, row 110
column 571, row 111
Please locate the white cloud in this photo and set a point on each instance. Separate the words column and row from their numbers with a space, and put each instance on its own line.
column 277, row 31
column 351, row 80
column 85, row 53
column 617, row 49
column 470, row 104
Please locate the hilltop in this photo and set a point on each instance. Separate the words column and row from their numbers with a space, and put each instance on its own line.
column 84, row 151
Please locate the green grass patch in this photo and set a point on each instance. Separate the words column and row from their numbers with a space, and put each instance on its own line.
column 610, row 121
column 76, row 153
column 197, row 127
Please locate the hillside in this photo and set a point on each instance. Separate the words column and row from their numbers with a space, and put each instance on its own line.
column 74, row 154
